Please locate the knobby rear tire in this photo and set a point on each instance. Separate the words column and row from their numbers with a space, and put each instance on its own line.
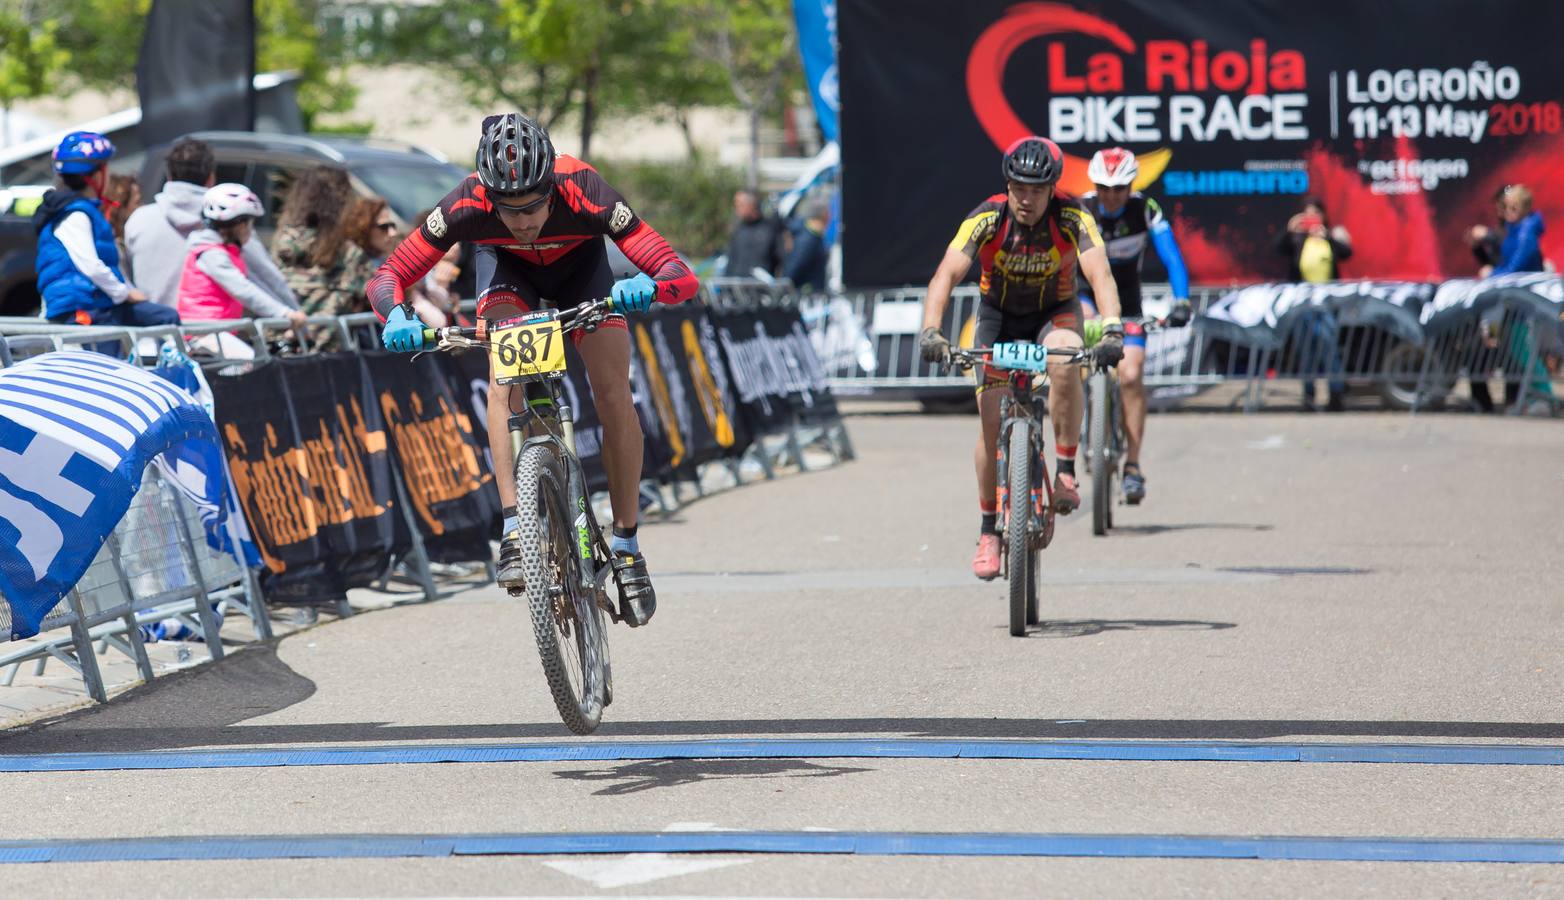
column 569, row 643
column 1019, row 541
column 1100, row 448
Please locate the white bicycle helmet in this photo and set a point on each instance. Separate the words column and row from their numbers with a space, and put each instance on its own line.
column 227, row 202
column 1113, row 167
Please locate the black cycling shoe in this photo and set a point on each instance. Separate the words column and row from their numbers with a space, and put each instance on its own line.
column 637, row 600
column 509, row 573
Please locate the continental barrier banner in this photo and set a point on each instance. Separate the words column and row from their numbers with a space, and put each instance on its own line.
column 676, row 349
column 776, row 373
column 309, row 453
column 1404, row 117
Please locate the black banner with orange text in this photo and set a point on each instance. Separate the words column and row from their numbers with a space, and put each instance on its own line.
column 324, row 447
column 310, row 458
column 438, row 455
column 1403, row 117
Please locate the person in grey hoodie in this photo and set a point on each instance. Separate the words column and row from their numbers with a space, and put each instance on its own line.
column 157, row 234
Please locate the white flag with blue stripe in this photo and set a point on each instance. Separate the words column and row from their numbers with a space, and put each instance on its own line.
column 76, row 431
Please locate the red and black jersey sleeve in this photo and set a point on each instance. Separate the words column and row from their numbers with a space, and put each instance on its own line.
column 460, row 216
column 587, row 194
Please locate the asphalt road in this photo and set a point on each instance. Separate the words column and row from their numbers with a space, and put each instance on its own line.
column 1357, row 579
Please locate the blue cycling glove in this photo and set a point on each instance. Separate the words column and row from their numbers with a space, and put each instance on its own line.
column 402, row 332
column 634, row 294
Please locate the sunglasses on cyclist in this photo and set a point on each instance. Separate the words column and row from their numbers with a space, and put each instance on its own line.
column 525, row 209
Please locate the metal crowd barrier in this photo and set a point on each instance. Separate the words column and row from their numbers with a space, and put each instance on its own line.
column 769, row 451
column 149, row 569
column 153, row 568
column 868, row 342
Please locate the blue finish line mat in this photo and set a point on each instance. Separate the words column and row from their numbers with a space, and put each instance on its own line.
column 607, row 751
column 863, row 843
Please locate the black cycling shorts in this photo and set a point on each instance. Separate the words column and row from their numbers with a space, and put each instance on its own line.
column 579, row 277
column 994, row 326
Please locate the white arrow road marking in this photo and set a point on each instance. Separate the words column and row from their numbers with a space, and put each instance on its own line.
column 1274, row 442
column 639, row 868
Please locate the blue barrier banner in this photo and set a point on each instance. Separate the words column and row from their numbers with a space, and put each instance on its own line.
column 817, row 46
column 77, row 429
column 202, row 475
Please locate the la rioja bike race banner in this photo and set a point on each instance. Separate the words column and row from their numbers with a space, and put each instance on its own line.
column 1403, row 116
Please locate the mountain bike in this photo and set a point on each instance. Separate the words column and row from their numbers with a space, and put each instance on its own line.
column 1103, row 442
column 1025, row 494
column 565, row 558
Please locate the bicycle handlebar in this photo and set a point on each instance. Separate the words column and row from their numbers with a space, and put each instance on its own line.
column 964, row 358
column 585, row 315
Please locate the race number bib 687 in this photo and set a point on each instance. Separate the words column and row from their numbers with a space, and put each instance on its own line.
column 527, row 349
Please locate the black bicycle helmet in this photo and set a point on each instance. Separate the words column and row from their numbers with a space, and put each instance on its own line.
column 515, row 155
column 1033, row 160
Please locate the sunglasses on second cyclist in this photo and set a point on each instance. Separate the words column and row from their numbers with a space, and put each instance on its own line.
column 525, row 209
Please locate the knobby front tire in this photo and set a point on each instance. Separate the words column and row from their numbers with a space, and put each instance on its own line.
column 1100, row 448
column 565, row 623
column 1017, row 536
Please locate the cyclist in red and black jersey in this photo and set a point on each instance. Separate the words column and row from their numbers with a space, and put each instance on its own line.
column 538, row 220
column 1029, row 241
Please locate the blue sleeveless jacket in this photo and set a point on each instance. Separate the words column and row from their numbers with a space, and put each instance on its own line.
column 63, row 287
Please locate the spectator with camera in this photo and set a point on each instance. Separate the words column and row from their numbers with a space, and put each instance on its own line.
column 1314, row 251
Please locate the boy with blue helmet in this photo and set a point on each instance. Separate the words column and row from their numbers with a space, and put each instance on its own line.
column 79, row 276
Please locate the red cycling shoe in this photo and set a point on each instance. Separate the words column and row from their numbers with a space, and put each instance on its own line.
column 985, row 562
column 1066, row 499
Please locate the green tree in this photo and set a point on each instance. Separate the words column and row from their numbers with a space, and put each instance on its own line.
column 547, row 58
column 103, row 38
column 288, row 38
column 30, row 60
column 755, row 44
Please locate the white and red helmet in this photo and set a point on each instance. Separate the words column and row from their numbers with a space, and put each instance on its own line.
column 227, row 202
column 1113, row 167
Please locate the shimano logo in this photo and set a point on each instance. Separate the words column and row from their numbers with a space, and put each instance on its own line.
column 1234, row 182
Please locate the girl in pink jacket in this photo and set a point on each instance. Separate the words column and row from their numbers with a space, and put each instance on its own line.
column 215, row 283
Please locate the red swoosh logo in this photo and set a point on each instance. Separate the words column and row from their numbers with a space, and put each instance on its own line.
column 991, row 53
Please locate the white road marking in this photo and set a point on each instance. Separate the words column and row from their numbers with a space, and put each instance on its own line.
column 637, row 868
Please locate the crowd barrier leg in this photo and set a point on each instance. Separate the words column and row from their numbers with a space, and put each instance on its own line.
column 255, row 605
column 842, row 442
column 187, row 554
column 1422, row 378
column 420, row 554
column 1525, row 369
column 735, row 469
column 763, row 456
column 653, row 490
column 86, row 662
column 136, row 648
column 794, row 446
column 1252, row 393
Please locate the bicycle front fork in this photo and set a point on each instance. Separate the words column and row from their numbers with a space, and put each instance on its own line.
column 1038, row 490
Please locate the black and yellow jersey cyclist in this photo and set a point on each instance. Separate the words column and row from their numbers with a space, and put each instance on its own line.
column 1029, row 242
